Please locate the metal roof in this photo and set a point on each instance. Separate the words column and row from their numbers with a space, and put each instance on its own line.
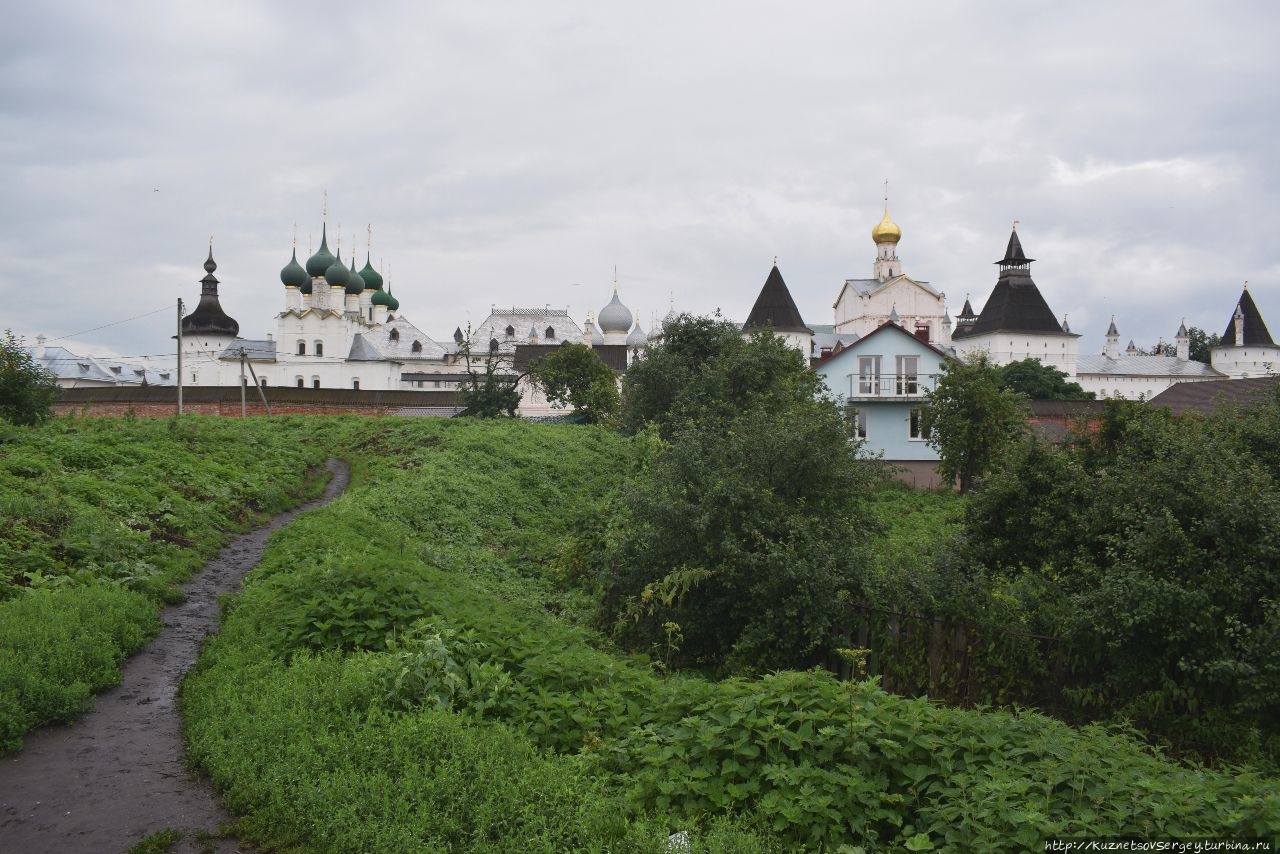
column 1145, row 366
column 774, row 308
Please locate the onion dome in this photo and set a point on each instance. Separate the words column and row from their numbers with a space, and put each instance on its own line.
column 393, row 304
column 893, row 315
column 614, row 317
column 355, row 283
column 637, row 338
column 886, row 231
column 380, row 297
column 372, row 278
column 209, row 318
column 337, row 273
column 597, row 337
column 1111, row 330
column 1182, row 329
column 293, row 276
column 319, row 262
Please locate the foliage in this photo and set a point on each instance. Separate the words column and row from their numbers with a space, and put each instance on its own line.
column 491, row 391
column 1155, row 544
column 1202, row 344
column 971, row 419
column 99, row 520
column 1038, row 381
column 499, row 722
column 26, row 389
column 573, row 375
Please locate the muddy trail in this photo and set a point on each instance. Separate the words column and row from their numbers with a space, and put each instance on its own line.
column 118, row 774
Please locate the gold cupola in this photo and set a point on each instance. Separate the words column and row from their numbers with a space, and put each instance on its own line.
column 886, row 231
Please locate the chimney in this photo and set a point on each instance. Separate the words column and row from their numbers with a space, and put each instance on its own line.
column 40, row 339
column 1239, row 323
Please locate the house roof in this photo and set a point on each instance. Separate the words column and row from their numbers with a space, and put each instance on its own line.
column 888, row 330
column 400, row 349
column 613, row 355
column 1145, row 366
column 1255, row 330
column 871, row 286
column 774, row 308
column 520, row 319
column 1209, row 397
column 254, row 351
column 1015, row 305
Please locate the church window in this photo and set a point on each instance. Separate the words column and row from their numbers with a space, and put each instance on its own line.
column 417, row 347
column 355, row 383
column 908, row 376
column 551, row 333
column 511, row 331
column 315, row 382
column 918, row 430
column 395, row 334
column 263, row 382
column 302, row 348
column 298, row 380
column 319, row 348
column 868, row 375
column 493, row 344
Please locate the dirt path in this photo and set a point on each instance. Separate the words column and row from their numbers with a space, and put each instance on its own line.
column 118, row 774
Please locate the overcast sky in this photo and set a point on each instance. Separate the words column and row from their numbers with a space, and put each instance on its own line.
column 514, row 153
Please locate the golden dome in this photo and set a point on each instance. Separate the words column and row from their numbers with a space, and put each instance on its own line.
column 886, row 231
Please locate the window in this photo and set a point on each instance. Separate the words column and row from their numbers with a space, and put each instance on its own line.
column 417, row 347
column 908, row 381
column 511, row 331
column 319, row 348
column 395, row 334
column 298, row 380
column 263, row 382
column 857, row 422
column 917, row 429
column 551, row 334
column 302, row 348
column 315, row 382
column 868, row 375
column 355, row 384
column 493, row 344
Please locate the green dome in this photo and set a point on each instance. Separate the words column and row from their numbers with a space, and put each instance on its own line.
column 337, row 273
column 355, row 284
column 293, row 276
column 372, row 278
column 319, row 262
column 381, row 297
column 393, row 304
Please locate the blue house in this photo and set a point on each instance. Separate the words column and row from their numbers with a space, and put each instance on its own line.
column 882, row 378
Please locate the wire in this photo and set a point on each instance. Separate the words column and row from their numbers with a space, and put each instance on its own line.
column 114, row 323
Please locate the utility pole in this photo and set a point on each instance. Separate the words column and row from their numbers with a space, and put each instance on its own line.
column 244, row 410
column 179, row 355
column 262, row 394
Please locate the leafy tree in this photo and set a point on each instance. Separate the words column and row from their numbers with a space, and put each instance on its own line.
column 573, row 375
column 972, row 419
column 739, row 542
column 27, row 390
column 489, row 392
column 1039, row 381
column 1202, row 343
column 704, row 366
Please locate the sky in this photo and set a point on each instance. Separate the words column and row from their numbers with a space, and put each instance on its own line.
column 514, row 154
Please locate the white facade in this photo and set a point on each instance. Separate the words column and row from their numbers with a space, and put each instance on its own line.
column 1062, row 351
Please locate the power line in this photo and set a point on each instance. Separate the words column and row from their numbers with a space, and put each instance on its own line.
column 105, row 325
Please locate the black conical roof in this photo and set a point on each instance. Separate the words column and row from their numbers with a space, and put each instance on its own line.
column 1255, row 330
column 967, row 312
column 775, row 309
column 1013, row 254
column 209, row 318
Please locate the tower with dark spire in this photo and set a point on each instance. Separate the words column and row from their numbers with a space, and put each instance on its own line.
column 209, row 320
column 774, row 309
column 1246, row 348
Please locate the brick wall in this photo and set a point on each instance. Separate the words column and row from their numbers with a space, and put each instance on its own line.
column 159, row 402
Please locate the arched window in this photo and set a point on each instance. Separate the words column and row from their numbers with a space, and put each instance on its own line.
column 263, row 382
column 395, row 334
column 511, row 331
column 551, row 333
column 493, row 344
column 417, row 347
column 315, row 382
column 302, row 348
column 319, row 348
column 299, row 381
column 355, row 383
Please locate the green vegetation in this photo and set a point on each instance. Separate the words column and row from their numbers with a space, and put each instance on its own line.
column 972, row 419
column 574, row 376
column 480, row 711
column 27, row 390
column 99, row 521
column 1039, row 381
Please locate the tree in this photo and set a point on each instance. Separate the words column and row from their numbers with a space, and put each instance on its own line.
column 27, row 390
column 972, row 419
column 1039, row 381
column 1202, row 343
column 574, row 375
column 490, row 392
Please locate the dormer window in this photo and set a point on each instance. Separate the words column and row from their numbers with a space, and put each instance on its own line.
column 550, row 334
column 493, row 344
column 395, row 334
column 511, row 331
column 115, row 369
column 417, row 347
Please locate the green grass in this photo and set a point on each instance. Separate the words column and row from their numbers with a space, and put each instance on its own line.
column 100, row 520
column 403, row 673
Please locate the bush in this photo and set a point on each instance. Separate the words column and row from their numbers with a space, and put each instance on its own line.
column 27, row 390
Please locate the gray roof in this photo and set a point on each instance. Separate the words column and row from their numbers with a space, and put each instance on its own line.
column 520, row 319
column 870, row 286
column 429, row 411
column 363, row 351
column 255, row 351
column 827, row 340
column 1145, row 366
column 69, row 367
column 401, row 349
column 1210, row 397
